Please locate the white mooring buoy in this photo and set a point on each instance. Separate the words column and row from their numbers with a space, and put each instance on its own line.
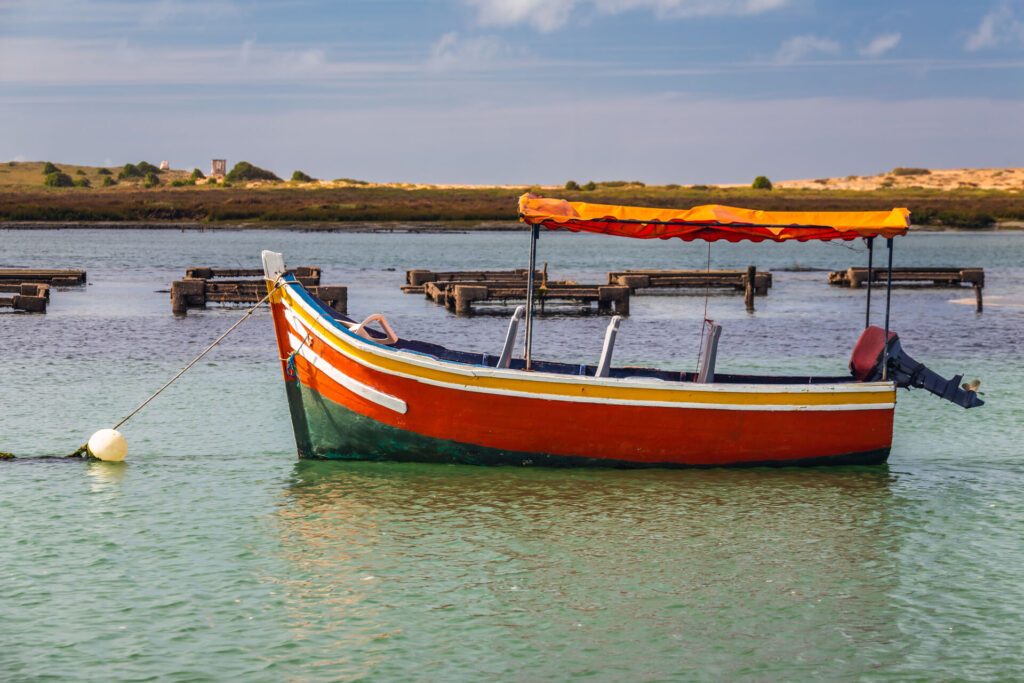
column 108, row 445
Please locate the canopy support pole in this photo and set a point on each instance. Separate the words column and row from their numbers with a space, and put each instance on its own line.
column 871, row 276
column 534, row 234
column 888, row 302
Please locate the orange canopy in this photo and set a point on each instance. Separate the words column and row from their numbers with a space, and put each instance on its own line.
column 711, row 222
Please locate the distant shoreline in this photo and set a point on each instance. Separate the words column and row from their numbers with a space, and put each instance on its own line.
column 386, row 227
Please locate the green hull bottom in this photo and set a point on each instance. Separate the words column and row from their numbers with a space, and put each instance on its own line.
column 325, row 430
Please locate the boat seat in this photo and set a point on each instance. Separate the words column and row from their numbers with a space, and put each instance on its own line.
column 706, row 374
column 604, row 365
column 505, row 359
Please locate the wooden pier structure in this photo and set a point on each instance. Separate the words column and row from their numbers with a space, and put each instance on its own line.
column 49, row 276
column 463, row 297
column 928, row 277
column 29, row 297
column 417, row 279
column 245, row 286
column 31, row 286
column 750, row 281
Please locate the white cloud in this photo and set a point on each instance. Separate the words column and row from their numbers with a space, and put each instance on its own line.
column 452, row 52
column 1001, row 26
column 543, row 15
column 549, row 15
column 881, row 44
column 798, row 48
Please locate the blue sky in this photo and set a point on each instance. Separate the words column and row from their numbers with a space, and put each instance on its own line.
column 517, row 91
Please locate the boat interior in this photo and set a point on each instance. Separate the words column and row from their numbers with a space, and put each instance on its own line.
column 705, row 375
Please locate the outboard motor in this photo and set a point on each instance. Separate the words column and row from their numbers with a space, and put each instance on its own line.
column 866, row 366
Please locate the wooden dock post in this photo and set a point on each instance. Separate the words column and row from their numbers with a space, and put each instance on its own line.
column 335, row 296
column 977, row 293
column 613, row 295
column 465, row 295
column 748, row 288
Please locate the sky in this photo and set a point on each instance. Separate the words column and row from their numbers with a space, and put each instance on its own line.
column 517, row 91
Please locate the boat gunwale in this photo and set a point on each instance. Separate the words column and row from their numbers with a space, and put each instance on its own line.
column 320, row 313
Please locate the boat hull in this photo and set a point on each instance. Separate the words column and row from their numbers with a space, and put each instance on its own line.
column 356, row 400
column 330, row 431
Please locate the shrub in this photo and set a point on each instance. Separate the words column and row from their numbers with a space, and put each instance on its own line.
column 211, row 181
column 49, row 168
column 761, row 182
column 351, row 181
column 181, row 182
column 300, row 177
column 589, row 187
column 622, row 183
column 130, row 171
column 104, row 171
column 151, row 180
column 197, row 174
column 79, row 172
column 58, row 179
column 572, row 185
column 108, row 181
column 82, row 182
column 672, row 186
column 146, row 167
column 700, row 188
column 900, row 170
column 243, row 170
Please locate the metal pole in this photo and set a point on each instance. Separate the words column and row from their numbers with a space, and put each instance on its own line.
column 871, row 276
column 534, row 234
column 888, row 301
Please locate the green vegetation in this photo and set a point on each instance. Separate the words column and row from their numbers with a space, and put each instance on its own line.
column 901, row 171
column 761, row 182
column 82, row 182
column 182, row 182
column 589, row 187
column 49, row 168
column 79, row 172
column 27, row 200
column 151, row 180
column 211, row 181
column 572, row 186
column 243, row 171
column 58, row 179
column 146, row 167
column 300, row 177
column 104, row 171
column 351, row 181
column 139, row 170
column 129, row 171
column 196, row 175
column 621, row 183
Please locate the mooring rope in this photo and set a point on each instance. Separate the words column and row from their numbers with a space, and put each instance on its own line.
column 82, row 449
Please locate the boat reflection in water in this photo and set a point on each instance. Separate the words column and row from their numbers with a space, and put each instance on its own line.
column 531, row 571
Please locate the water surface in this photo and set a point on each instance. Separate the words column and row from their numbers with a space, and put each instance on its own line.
column 214, row 554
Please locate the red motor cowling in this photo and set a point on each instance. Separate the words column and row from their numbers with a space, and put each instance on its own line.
column 869, row 355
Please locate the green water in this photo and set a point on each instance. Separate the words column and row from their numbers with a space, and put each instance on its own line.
column 214, row 555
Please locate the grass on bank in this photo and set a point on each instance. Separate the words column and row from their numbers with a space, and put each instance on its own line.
column 180, row 197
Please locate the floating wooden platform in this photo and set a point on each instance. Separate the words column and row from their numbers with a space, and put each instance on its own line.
column 245, row 286
column 52, row 277
column 30, row 297
column 930, row 277
column 463, row 297
column 417, row 278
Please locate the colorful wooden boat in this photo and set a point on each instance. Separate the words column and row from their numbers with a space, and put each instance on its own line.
column 362, row 393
